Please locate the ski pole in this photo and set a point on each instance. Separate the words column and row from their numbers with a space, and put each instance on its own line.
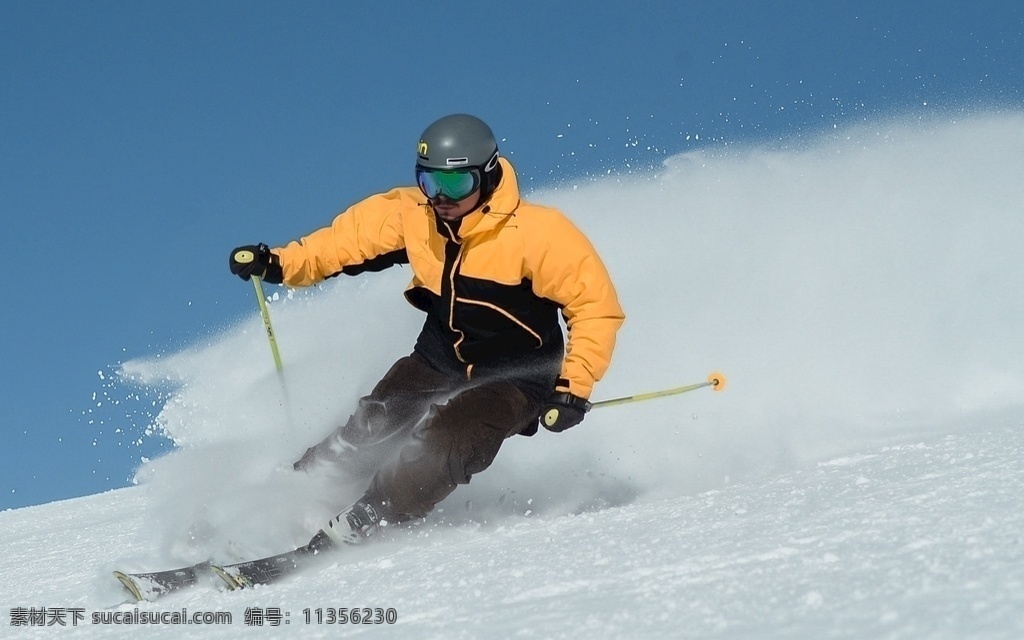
column 716, row 381
column 265, row 312
column 245, row 257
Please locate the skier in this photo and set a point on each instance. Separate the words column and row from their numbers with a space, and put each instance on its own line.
column 492, row 272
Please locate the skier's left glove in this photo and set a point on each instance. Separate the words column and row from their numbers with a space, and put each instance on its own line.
column 563, row 410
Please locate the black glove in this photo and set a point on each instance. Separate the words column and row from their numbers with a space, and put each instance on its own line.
column 563, row 410
column 256, row 260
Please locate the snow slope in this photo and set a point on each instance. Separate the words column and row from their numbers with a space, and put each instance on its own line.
column 919, row 540
column 861, row 477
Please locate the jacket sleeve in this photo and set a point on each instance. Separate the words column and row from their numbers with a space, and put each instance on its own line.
column 367, row 230
column 566, row 269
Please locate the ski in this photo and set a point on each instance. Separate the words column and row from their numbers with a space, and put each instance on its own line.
column 153, row 584
column 263, row 570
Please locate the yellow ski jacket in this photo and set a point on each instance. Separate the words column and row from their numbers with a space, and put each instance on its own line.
column 493, row 283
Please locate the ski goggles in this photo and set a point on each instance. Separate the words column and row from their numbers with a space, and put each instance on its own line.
column 454, row 185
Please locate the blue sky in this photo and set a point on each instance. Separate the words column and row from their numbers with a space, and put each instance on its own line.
column 141, row 141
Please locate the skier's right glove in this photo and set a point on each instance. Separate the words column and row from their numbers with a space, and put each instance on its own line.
column 256, row 260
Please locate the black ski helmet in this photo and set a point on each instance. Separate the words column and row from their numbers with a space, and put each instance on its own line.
column 461, row 141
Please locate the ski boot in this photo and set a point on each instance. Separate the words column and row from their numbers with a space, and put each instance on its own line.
column 352, row 526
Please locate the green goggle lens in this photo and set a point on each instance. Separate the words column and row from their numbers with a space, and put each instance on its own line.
column 454, row 185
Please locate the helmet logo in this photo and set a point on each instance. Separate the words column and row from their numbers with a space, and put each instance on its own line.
column 492, row 162
column 422, row 149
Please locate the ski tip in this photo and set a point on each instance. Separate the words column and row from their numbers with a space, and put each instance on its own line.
column 130, row 585
column 718, row 381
